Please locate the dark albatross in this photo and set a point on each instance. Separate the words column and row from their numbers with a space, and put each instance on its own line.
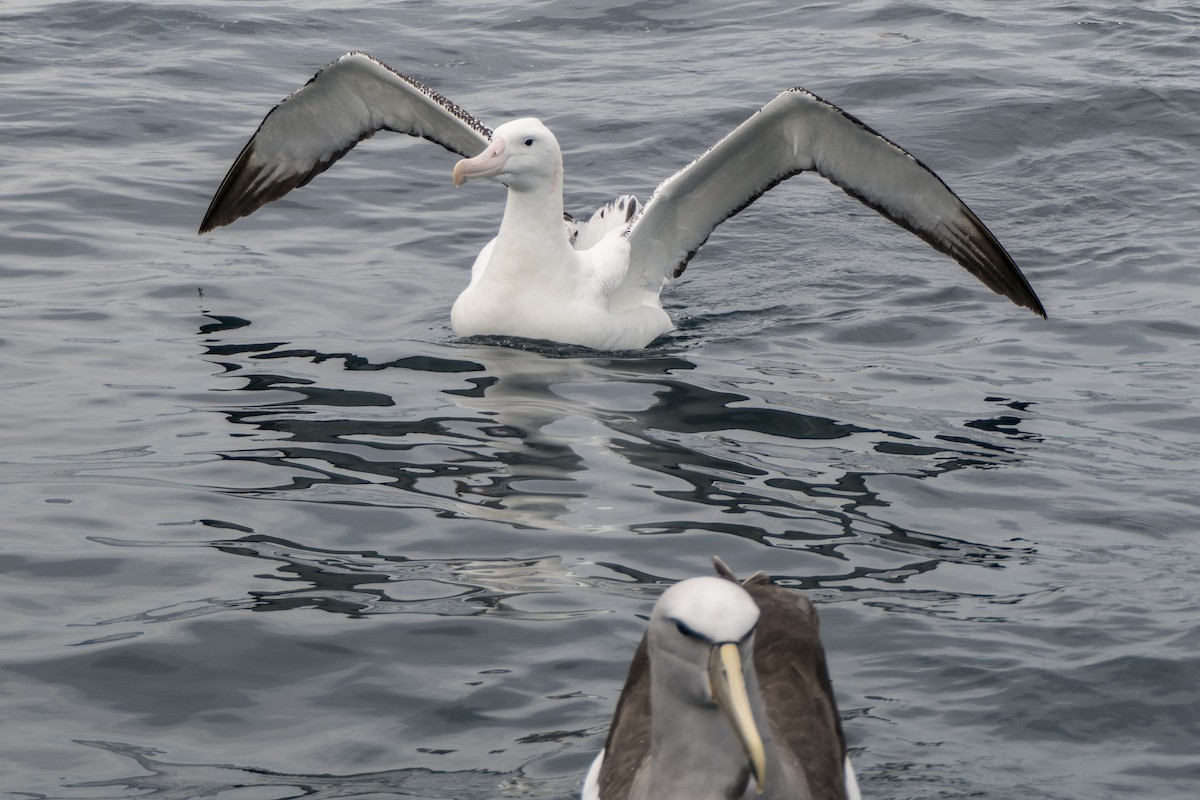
column 597, row 282
column 728, row 696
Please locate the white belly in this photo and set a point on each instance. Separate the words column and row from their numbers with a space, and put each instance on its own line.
column 569, row 304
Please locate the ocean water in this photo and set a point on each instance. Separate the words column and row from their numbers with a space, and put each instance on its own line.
column 269, row 530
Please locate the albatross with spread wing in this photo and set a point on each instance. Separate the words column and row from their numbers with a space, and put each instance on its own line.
column 597, row 282
column 728, row 698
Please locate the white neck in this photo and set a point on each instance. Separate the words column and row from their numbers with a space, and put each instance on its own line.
column 532, row 236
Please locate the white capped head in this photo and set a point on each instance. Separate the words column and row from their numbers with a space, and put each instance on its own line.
column 714, row 609
column 689, row 620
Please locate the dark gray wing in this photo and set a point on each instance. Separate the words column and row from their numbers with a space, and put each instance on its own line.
column 799, row 131
column 794, row 680
column 346, row 102
column 628, row 743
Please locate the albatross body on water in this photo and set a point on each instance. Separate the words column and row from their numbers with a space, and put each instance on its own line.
column 728, row 696
column 597, row 282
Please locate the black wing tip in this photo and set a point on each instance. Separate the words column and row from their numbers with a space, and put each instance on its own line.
column 1033, row 302
column 1035, row 305
column 997, row 270
column 1010, row 283
column 242, row 192
column 989, row 261
column 231, row 201
column 1021, row 295
column 220, row 210
column 1001, row 274
column 218, row 218
column 723, row 570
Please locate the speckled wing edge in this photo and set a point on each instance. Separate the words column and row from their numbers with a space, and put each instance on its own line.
column 349, row 100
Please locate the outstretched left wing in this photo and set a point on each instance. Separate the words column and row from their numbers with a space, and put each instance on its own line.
column 346, row 102
column 794, row 680
column 799, row 131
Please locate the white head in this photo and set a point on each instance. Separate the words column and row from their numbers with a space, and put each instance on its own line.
column 711, row 610
column 701, row 645
column 523, row 155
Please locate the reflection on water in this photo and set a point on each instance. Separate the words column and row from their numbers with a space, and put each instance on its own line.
column 530, row 436
column 165, row 780
column 495, row 513
column 356, row 583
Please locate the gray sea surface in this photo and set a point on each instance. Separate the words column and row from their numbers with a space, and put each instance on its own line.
column 268, row 529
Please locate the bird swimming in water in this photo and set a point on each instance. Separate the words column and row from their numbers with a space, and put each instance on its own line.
column 728, row 696
column 597, row 282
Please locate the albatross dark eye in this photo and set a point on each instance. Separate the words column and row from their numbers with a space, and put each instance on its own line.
column 687, row 631
column 529, row 142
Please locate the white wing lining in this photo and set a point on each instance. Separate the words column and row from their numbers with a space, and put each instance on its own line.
column 349, row 100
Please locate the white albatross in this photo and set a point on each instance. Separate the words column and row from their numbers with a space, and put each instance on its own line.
column 597, row 283
column 728, row 696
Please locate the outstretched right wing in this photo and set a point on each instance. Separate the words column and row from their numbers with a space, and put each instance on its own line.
column 797, row 132
column 346, row 102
